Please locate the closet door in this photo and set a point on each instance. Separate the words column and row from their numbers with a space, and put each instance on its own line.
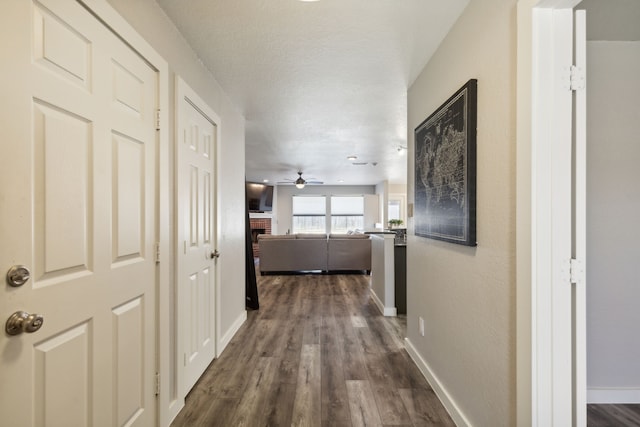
column 198, row 132
column 78, row 212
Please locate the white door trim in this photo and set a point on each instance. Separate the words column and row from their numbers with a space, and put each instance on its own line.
column 580, row 226
column 167, row 398
column 543, row 209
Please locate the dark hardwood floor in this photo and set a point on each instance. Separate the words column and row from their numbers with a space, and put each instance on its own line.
column 317, row 353
column 613, row 415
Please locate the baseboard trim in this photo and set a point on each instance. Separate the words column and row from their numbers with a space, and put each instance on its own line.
column 390, row 312
column 386, row 311
column 613, row 395
column 377, row 301
column 226, row 338
column 450, row 405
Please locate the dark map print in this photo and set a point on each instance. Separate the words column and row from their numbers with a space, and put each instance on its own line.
column 442, row 187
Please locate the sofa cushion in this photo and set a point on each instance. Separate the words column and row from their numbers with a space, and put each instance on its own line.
column 291, row 254
column 311, row 236
column 348, row 236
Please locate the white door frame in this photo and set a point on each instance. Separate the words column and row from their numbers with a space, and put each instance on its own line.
column 164, row 296
column 543, row 206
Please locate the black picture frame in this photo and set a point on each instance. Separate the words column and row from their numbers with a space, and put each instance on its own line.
column 445, row 170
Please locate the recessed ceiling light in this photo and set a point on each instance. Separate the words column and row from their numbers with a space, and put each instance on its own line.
column 265, row 180
column 341, row 180
column 352, row 158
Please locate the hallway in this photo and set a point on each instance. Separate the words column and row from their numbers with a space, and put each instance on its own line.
column 318, row 352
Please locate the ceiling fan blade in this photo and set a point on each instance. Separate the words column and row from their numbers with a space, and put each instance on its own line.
column 305, row 183
column 300, row 178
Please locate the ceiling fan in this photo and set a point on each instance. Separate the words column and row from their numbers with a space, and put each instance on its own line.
column 301, row 182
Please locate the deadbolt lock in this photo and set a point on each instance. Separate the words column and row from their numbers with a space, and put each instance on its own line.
column 18, row 275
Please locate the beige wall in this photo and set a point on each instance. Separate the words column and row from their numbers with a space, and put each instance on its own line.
column 467, row 295
column 153, row 25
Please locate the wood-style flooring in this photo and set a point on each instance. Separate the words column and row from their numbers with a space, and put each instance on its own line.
column 613, row 415
column 317, row 353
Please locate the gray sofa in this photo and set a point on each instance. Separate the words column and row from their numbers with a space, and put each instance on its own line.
column 303, row 252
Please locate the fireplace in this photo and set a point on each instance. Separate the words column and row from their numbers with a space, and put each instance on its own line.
column 255, row 232
column 258, row 226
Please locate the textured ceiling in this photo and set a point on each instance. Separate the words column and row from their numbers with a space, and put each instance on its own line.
column 318, row 81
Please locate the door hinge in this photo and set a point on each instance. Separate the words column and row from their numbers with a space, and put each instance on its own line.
column 158, row 119
column 157, row 384
column 577, row 78
column 576, row 271
column 157, row 252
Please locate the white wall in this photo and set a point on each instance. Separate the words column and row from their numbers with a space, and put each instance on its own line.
column 371, row 211
column 467, row 295
column 382, row 190
column 284, row 213
column 613, row 213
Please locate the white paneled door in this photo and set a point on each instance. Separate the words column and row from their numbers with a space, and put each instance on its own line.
column 77, row 208
column 197, row 137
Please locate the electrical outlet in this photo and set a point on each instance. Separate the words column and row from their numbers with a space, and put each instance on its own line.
column 421, row 323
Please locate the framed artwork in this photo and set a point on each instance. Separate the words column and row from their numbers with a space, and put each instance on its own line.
column 445, row 170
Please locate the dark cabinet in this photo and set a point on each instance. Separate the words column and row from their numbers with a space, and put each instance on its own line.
column 400, row 272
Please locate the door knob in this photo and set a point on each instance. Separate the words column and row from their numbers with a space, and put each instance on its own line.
column 21, row 321
column 18, row 275
column 215, row 254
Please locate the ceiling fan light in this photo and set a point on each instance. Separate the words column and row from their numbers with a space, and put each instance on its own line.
column 300, row 185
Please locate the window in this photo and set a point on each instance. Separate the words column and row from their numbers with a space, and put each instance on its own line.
column 394, row 209
column 309, row 214
column 347, row 213
column 396, row 206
